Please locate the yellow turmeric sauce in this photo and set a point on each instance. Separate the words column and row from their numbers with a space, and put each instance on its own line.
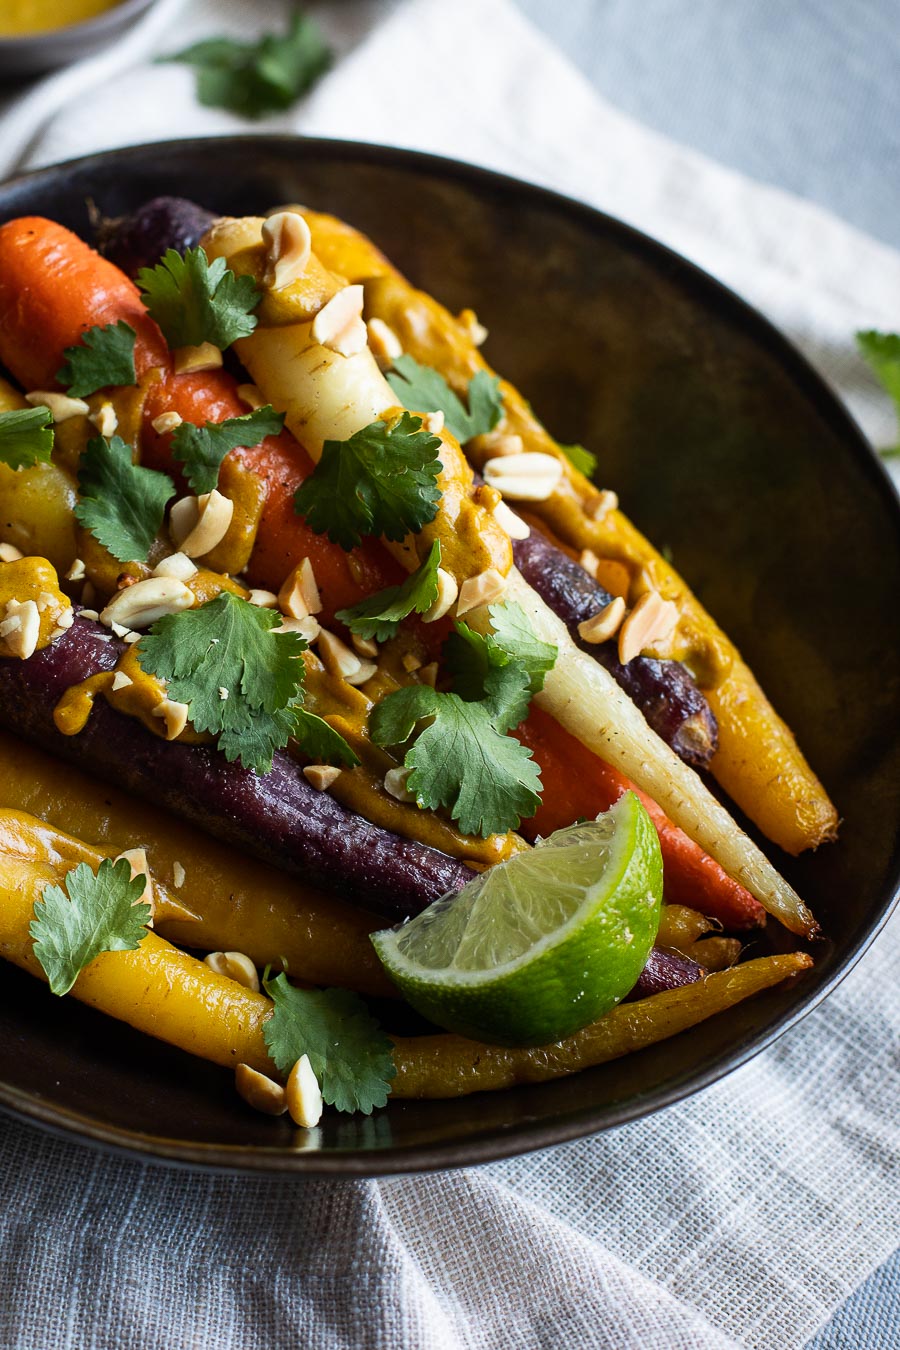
column 30, row 580
column 18, row 18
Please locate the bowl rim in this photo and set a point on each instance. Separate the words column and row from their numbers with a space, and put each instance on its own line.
column 522, row 1137
column 96, row 25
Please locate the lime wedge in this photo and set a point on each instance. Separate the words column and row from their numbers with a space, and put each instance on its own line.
column 537, row 947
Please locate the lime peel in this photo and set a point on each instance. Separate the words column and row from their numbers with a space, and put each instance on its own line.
column 541, row 945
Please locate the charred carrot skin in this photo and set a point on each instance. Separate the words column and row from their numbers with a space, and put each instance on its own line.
column 577, row 783
column 67, row 289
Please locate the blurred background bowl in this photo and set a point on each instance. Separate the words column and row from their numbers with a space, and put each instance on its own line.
column 36, row 53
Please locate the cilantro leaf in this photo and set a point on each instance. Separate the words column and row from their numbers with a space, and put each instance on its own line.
column 319, row 740
column 481, row 665
column 379, row 615
column 426, row 390
column 99, row 914
column 383, row 480
column 202, row 449
column 121, row 503
column 26, row 437
column 462, row 758
column 882, row 351
column 229, row 644
column 349, row 1053
column 194, row 300
column 255, row 78
column 483, row 671
column 103, row 357
column 515, row 635
column 585, row 461
column 459, row 759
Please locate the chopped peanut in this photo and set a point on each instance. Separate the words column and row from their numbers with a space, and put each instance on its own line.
column 321, row 776
column 234, row 966
column 339, row 324
column 175, row 716
column 484, row 589
column 260, row 1092
column 651, row 623
column 448, row 590
column 602, row 626
column 288, row 245
column 303, row 1095
column 529, row 477
column 191, row 360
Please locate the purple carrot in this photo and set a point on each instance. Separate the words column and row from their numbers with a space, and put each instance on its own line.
column 278, row 817
column 140, row 239
column 664, row 691
column 665, row 970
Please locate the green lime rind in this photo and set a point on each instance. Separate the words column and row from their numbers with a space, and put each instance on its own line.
column 539, row 946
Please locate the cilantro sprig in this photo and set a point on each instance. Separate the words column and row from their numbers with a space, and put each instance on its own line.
column 228, row 644
column 202, row 449
column 103, row 357
column 26, row 437
column 426, row 390
column 348, row 1051
column 514, row 636
column 379, row 616
column 382, row 481
column 461, row 756
column 319, row 741
column 882, row 351
column 121, row 503
column 583, row 460
column 255, row 78
column 97, row 912
column 194, row 300
column 460, row 759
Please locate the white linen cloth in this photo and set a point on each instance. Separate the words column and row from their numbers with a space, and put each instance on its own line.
column 742, row 1217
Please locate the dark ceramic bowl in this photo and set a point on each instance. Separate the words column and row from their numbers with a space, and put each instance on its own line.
column 723, row 444
column 35, row 53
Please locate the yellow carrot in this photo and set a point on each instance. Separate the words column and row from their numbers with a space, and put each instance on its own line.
column 451, row 1066
column 239, row 903
column 156, row 989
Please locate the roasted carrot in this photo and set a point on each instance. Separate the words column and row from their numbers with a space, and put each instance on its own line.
column 53, row 288
column 577, row 783
column 283, row 538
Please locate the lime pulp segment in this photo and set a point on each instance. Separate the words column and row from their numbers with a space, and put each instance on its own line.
column 539, row 946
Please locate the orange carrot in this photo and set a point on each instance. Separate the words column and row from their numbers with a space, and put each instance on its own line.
column 53, row 288
column 283, row 538
column 577, row 783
